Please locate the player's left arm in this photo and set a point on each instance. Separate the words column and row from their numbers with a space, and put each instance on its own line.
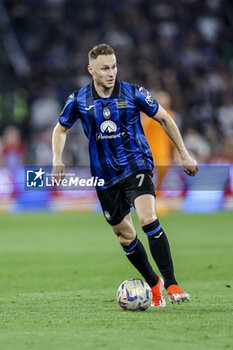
column 169, row 126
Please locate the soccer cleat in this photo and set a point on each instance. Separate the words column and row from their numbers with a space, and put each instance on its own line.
column 158, row 299
column 176, row 294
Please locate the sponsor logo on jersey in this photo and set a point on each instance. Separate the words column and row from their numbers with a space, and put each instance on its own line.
column 89, row 107
column 108, row 126
column 100, row 136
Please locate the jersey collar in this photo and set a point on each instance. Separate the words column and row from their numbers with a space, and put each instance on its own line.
column 115, row 92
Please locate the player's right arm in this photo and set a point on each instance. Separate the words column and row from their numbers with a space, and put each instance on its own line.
column 58, row 144
column 67, row 118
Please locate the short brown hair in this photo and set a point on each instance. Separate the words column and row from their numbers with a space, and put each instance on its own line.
column 101, row 49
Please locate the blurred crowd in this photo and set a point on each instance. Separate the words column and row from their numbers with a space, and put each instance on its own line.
column 181, row 47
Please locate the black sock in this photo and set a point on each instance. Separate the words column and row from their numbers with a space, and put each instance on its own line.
column 160, row 251
column 136, row 254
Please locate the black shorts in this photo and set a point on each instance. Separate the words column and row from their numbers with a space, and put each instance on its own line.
column 117, row 200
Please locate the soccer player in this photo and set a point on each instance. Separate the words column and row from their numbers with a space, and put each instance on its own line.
column 109, row 110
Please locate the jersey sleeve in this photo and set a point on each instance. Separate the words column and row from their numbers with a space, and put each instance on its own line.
column 145, row 102
column 70, row 112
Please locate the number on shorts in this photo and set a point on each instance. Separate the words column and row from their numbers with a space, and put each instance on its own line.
column 141, row 177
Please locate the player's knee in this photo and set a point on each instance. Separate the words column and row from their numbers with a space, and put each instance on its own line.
column 147, row 219
column 126, row 241
column 125, row 237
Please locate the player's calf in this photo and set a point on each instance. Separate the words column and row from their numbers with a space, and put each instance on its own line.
column 136, row 254
column 160, row 251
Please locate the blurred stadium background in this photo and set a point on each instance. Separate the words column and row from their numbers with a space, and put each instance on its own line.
column 181, row 50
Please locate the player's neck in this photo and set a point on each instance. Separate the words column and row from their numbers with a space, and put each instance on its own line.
column 102, row 91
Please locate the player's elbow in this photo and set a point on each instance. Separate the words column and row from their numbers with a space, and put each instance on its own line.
column 60, row 129
column 163, row 122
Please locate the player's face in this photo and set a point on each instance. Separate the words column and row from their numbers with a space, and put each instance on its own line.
column 104, row 70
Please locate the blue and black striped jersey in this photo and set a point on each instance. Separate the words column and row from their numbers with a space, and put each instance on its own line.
column 117, row 144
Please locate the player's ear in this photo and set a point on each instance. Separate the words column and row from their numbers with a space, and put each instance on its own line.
column 89, row 68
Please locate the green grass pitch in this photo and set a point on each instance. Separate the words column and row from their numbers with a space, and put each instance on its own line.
column 60, row 273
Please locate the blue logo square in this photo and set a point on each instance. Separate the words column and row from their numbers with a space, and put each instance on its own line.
column 35, row 178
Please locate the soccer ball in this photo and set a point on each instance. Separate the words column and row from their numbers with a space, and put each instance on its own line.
column 134, row 294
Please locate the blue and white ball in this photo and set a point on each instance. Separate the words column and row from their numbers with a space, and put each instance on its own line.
column 134, row 294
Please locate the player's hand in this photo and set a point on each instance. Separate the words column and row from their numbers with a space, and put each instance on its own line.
column 190, row 165
column 58, row 172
